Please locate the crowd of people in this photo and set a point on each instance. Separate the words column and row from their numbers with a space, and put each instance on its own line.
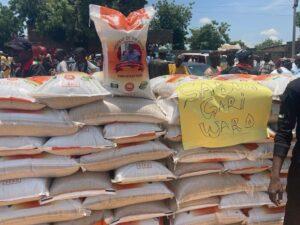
column 26, row 61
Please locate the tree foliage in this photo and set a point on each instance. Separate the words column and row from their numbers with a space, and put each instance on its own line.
column 210, row 36
column 9, row 25
column 268, row 43
column 174, row 17
column 66, row 20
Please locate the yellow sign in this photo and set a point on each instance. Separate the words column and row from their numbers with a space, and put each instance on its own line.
column 223, row 113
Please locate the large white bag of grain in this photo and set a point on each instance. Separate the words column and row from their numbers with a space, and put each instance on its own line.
column 124, row 48
column 31, row 213
column 10, row 146
column 173, row 133
column 141, row 211
column 69, row 89
column 118, row 109
column 15, row 93
column 194, row 188
column 23, row 190
column 204, row 155
column 165, row 86
column 96, row 218
column 244, row 200
column 41, row 123
column 193, row 205
column 170, row 109
column 79, row 185
column 129, row 195
column 142, row 172
column 43, row 165
column 115, row 158
column 265, row 215
column 209, row 216
column 260, row 151
column 154, row 221
column 246, row 166
column 182, row 170
column 87, row 140
column 123, row 133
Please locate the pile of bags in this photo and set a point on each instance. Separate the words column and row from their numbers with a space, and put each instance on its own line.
column 218, row 185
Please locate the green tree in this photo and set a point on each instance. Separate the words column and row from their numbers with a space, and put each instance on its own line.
column 9, row 25
column 174, row 17
column 66, row 19
column 210, row 36
column 268, row 43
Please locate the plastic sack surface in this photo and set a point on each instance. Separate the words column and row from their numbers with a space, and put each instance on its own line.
column 79, row 185
column 15, row 93
column 123, row 133
column 143, row 172
column 118, row 109
column 247, row 167
column 69, row 89
column 124, row 49
column 129, row 195
column 87, row 140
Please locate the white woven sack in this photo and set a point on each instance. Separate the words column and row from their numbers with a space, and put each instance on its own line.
column 96, row 218
column 18, row 191
column 264, row 215
column 129, row 195
column 195, row 188
column 41, row 123
column 170, row 109
column 69, row 89
column 87, row 140
column 173, row 133
column 115, row 158
column 142, row 172
column 205, row 155
column 15, row 93
column 141, row 211
column 11, row 146
column 123, row 133
column 193, row 205
column 38, row 166
column 247, row 167
column 183, row 170
column 30, row 214
column 210, row 216
column 244, row 200
column 154, row 221
column 118, row 109
column 79, row 185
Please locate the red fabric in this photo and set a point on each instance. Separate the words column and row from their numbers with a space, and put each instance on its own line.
column 26, row 67
column 244, row 66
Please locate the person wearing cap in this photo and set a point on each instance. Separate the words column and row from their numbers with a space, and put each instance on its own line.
column 245, row 63
column 21, row 51
column 81, row 63
column 267, row 65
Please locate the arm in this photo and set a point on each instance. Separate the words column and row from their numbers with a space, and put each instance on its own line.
column 284, row 136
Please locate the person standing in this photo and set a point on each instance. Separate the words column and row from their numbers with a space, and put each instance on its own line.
column 245, row 63
column 288, row 118
column 267, row 65
column 81, row 63
column 215, row 61
column 60, row 57
column 21, row 51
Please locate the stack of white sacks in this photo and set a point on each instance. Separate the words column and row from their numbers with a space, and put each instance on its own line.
column 72, row 154
column 217, row 186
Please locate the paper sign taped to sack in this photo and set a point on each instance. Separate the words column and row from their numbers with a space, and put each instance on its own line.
column 223, row 113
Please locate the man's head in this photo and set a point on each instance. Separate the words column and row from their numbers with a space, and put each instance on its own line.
column 297, row 61
column 179, row 60
column 80, row 54
column 20, row 50
column 267, row 57
column 60, row 54
column 244, row 56
column 215, row 59
column 287, row 63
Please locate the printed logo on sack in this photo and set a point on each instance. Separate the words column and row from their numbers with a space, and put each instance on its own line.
column 69, row 77
column 129, row 86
